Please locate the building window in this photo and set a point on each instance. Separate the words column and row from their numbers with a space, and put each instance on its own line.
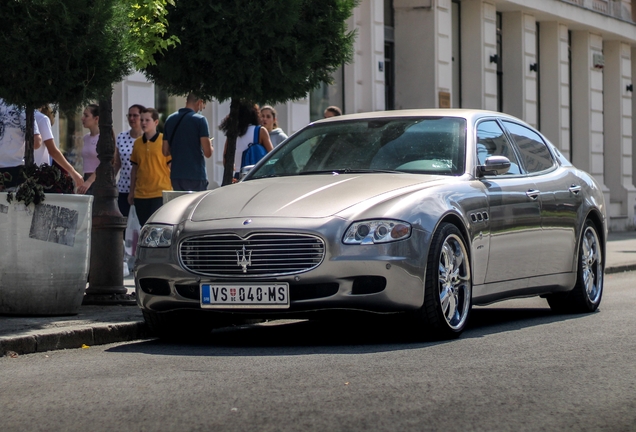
column 71, row 134
column 457, row 63
column 499, row 64
column 389, row 75
column 165, row 104
column 389, row 56
column 570, row 144
column 326, row 95
column 538, row 70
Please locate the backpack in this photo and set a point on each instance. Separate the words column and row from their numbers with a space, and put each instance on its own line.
column 254, row 151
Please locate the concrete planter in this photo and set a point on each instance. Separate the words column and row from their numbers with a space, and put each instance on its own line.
column 44, row 255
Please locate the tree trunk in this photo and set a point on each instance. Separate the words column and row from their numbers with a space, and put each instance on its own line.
column 29, row 138
column 230, row 151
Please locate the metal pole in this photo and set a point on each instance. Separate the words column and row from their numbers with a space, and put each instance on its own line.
column 106, row 279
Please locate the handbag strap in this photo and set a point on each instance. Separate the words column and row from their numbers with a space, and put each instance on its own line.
column 174, row 131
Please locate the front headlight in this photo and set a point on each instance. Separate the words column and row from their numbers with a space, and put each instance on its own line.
column 377, row 231
column 156, row 236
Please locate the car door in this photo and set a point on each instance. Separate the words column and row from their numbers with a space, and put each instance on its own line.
column 514, row 212
column 559, row 196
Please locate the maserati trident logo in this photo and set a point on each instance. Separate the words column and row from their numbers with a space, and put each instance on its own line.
column 244, row 259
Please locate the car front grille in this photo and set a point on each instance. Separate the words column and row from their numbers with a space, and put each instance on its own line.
column 257, row 255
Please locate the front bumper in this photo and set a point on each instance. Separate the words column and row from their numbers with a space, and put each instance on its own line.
column 380, row 278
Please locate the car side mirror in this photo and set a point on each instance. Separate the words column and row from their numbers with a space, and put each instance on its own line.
column 246, row 169
column 494, row 165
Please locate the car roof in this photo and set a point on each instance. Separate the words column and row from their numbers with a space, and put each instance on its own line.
column 468, row 114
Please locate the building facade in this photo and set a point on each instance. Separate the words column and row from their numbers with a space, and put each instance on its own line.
column 563, row 66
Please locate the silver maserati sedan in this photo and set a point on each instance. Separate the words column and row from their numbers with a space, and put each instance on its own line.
column 423, row 213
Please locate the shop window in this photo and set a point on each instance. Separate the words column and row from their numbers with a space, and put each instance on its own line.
column 70, row 139
column 326, row 95
column 166, row 104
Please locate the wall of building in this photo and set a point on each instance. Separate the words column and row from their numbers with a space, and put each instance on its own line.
column 564, row 66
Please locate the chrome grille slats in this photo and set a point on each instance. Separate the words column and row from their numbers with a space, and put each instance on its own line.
column 269, row 254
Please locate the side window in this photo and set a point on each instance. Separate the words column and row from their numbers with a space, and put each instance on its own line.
column 491, row 141
column 534, row 152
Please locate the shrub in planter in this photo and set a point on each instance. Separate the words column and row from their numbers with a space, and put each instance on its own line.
column 39, row 180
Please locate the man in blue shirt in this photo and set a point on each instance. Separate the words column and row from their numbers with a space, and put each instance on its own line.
column 187, row 139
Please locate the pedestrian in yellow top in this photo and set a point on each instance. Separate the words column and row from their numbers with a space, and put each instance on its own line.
column 150, row 174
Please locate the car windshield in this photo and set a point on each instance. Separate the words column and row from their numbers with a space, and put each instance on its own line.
column 423, row 145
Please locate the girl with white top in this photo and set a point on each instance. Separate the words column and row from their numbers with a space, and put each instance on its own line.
column 90, row 120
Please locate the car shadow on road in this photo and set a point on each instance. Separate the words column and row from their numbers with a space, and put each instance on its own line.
column 487, row 321
column 369, row 335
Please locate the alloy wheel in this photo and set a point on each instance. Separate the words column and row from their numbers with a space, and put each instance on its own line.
column 591, row 264
column 454, row 282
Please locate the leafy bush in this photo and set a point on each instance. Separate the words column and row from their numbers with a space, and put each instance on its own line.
column 39, row 180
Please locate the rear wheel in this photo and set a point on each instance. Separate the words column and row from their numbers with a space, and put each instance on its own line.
column 588, row 290
column 448, row 285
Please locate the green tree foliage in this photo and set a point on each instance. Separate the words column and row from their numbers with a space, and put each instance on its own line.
column 261, row 50
column 69, row 52
column 61, row 51
column 254, row 50
column 149, row 24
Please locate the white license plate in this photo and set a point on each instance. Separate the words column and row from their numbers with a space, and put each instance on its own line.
column 239, row 295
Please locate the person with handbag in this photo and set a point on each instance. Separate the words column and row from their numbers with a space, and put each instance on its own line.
column 187, row 139
column 250, row 133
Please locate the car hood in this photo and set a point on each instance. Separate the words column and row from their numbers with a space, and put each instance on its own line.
column 313, row 196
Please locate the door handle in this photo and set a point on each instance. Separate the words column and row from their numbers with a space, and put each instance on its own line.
column 533, row 194
column 575, row 189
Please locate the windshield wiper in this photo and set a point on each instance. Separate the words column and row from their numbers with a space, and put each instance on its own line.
column 317, row 172
column 368, row 170
column 351, row 171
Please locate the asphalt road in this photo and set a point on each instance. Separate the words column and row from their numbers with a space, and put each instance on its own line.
column 517, row 367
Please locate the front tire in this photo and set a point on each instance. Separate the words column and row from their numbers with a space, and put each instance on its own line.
column 448, row 285
column 588, row 290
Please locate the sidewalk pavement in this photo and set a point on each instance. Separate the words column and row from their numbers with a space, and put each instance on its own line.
column 97, row 325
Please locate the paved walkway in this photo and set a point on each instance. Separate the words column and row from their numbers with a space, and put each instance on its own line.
column 96, row 325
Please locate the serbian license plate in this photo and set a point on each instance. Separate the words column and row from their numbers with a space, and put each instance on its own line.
column 238, row 295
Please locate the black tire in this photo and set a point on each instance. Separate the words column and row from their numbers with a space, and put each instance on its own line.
column 447, row 286
column 176, row 326
column 586, row 295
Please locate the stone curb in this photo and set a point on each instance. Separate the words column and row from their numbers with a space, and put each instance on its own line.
column 74, row 338
column 620, row 268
